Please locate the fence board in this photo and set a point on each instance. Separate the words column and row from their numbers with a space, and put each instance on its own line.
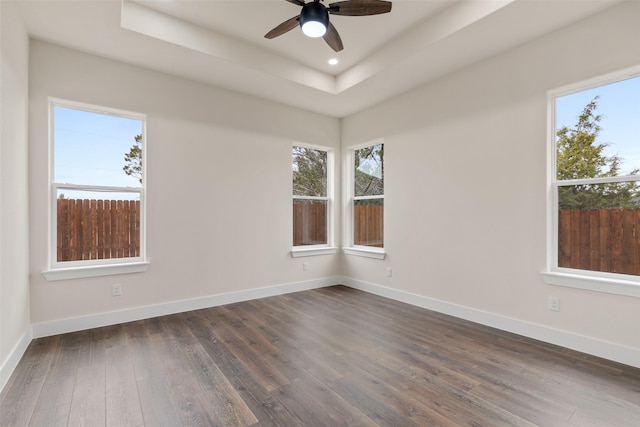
column 93, row 213
column 594, row 240
column 100, row 229
column 368, row 225
column 583, row 236
column 116, row 224
column 627, row 241
column 616, row 241
column 606, row 240
column 97, row 229
column 564, row 238
column 85, row 210
column 136, row 231
column 108, row 237
column 76, row 233
column 309, row 223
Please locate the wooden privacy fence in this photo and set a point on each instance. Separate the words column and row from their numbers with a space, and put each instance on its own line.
column 310, row 219
column 309, row 223
column 605, row 240
column 98, row 229
column 368, row 223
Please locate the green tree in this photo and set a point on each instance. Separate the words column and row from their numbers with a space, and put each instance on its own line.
column 133, row 159
column 369, row 170
column 580, row 155
column 309, row 172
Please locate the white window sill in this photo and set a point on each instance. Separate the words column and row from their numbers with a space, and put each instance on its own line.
column 301, row 251
column 94, row 271
column 593, row 283
column 364, row 251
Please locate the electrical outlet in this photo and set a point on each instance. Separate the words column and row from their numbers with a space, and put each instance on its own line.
column 305, row 266
column 116, row 290
column 554, row 303
column 388, row 272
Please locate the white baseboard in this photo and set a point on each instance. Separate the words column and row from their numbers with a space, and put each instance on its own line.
column 607, row 350
column 14, row 357
column 146, row 312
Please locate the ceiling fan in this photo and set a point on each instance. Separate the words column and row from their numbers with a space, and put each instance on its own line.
column 314, row 18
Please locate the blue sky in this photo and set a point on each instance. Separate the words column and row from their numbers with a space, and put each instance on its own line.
column 90, row 147
column 619, row 104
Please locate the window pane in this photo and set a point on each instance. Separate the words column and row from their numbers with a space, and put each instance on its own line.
column 94, row 225
column 90, row 148
column 369, row 171
column 309, row 172
column 596, row 196
column 599, row 227
column 598, row 131
column 368, row 222
column 309, row 222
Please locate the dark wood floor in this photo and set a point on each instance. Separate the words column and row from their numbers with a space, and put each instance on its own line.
column 327, row 357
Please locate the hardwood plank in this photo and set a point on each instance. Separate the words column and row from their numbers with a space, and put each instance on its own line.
column 122, row 400
column 262, row 404
column 333, row 356
column 184, row 389
column 581, row 419
column 270, row 378
column 299, row 350
column 57, row 390
column 88, row 402
column 369, row 400
column 156, row 401
column 52, row 417
column 337, row 410
column 158, row 406
column 19, row 397
column 303, row 409
column 219, row 399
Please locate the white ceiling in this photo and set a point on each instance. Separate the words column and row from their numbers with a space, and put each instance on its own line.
column 220, row 42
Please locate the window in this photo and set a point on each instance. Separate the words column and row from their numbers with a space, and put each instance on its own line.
column 311, row 200
column 97, row 190
column 595, row 185
column 367, row 201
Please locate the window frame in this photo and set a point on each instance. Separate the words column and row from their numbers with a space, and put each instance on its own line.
column 63, row 270
column 350, row 247
column 329, row 247
column 614, row 283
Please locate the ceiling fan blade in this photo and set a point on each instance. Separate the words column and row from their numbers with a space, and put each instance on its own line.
column 286, row 26
column 333, row 38
column 359, row 7
column 298, row 2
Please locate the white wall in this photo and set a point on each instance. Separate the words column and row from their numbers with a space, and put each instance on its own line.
column 219, row 186
column 465, row 183
column 14, row 208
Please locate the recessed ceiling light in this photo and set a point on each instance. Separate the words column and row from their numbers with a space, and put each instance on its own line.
column 333, row 61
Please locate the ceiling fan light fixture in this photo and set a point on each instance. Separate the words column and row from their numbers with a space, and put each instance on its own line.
column 314, row 29
column 314, row 19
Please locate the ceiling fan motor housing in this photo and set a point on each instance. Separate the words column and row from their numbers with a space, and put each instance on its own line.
column 313, row 17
